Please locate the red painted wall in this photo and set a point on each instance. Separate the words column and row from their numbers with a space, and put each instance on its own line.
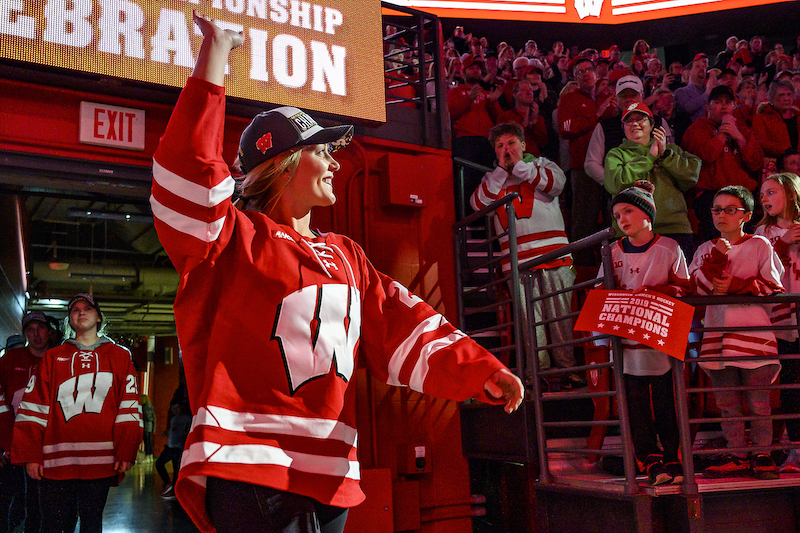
column 412, row 244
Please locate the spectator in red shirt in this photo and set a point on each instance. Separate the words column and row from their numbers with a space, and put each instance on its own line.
column 776, row 124
column 577, row 117
column 473, row 112
column 729, row 151
column 526, row 114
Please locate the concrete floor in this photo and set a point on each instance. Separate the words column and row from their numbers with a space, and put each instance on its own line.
column 136, row 506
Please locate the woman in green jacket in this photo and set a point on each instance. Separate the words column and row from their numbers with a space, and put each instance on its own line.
column 645, row 155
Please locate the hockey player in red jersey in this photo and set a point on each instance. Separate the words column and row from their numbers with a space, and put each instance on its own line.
column 269, row 317
column 79, row 424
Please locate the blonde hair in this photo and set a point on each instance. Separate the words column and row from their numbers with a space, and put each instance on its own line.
column 260, row 189
column 791, row 187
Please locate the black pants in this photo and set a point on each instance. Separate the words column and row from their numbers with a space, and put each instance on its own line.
column 590, row 213
column 12, row 500
column 169, row 454
column 644, row 429
column 19, row 500
column 59, row 499
column 234, row 506
column 790, row 398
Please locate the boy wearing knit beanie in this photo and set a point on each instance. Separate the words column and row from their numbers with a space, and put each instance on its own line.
column 645, row 261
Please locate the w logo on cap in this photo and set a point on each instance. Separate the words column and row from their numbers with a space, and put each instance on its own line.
column 264, row 142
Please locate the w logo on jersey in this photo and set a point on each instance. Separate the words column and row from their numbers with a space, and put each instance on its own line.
column 84, row 393
column 318, row 327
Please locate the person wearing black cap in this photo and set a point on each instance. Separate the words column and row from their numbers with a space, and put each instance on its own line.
column 646, row 261
column 729, row 151
column 16, row 368
column 79, row 423
column 269, row 315
column 645, row 155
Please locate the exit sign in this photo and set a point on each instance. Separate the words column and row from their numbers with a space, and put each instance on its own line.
column 108, row 125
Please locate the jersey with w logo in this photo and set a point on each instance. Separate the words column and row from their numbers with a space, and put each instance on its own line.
column 80, row 413
column 272, row 325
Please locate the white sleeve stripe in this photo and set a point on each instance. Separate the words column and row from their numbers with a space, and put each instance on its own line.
column 401, row 353
column 128, row 404
column 3, row 408
column 126, row 417
column 420, row 371
column 26, row 418
column 195, row 193
column 35, row 407
column 205, row 231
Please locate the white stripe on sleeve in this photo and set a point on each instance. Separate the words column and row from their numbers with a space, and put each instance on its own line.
column 401, row 353
column 205, row 231
column 35, row 407
column 27, row 418
column 195, row 193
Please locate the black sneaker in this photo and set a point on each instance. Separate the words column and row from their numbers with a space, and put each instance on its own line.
column 763, row 467
column 728, row 466
column 656, row 473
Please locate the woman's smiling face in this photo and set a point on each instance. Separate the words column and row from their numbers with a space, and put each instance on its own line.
column 312, row 182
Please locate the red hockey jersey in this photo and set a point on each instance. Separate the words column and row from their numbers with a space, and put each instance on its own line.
column 270, row 327
column 80, row 412
column 16, row 368
column 756, row 269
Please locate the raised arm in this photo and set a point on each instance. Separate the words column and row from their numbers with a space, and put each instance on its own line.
column 213, row 56
column 191, row 182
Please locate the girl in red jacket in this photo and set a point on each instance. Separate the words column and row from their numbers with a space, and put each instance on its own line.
column 79, row 424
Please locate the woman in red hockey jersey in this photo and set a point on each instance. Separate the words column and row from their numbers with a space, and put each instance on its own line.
column 79, row 424
column 269, row 317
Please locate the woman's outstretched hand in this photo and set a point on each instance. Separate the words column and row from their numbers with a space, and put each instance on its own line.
column 505, row 385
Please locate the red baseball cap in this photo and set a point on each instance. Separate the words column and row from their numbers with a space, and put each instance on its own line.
column 637, row 107
column 471, row 60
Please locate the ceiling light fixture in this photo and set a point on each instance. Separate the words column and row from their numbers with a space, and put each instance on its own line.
column 109, row 215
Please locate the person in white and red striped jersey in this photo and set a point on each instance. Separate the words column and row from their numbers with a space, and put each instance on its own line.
column 269, row 315
column 79, row 424
column 739, row 263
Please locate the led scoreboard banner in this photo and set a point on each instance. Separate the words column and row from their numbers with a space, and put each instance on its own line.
column 584, row 11
column 323, row 55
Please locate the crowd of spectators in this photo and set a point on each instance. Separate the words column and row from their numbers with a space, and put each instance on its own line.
column 569, row 103
column 691, row 129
